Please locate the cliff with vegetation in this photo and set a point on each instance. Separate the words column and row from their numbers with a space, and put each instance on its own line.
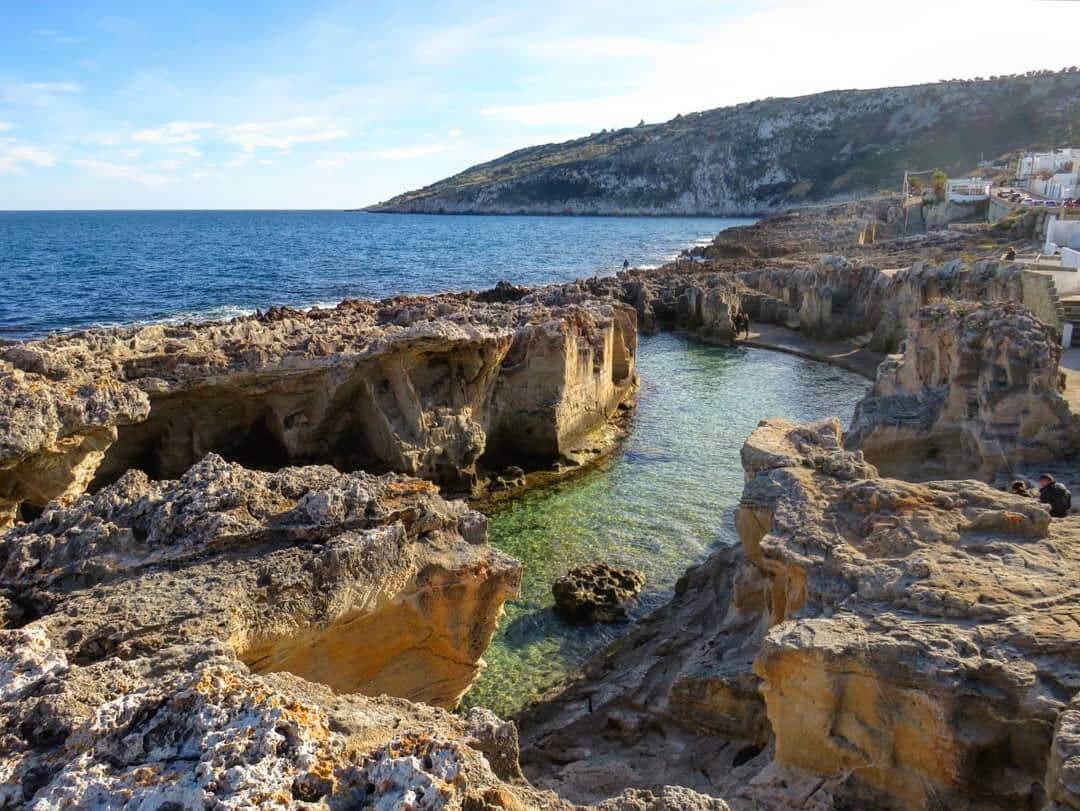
column 768, row 154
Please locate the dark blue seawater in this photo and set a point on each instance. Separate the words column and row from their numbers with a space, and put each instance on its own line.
column 64, row 270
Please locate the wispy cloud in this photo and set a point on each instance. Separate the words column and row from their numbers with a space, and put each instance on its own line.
column 404, row 153
column 5, row 126
column 283, row 135
column 14, row 156
column 35, row 94
column 108, row 170
column 54, row 87
column 175, row 132
column 187, row 149
column 57, row 37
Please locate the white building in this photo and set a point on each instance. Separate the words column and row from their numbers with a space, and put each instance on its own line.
column 1055, row 175
column 1063, row 236
column 967, row 189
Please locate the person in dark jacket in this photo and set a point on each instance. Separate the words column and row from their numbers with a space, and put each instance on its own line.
column 1055, row 494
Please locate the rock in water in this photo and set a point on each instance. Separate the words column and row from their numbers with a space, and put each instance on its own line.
column 596, row 592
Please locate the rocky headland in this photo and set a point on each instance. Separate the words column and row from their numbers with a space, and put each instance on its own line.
column 765, row 155
column 231, row 578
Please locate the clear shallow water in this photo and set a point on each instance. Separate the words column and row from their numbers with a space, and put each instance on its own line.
column 658, row 504
column 62, row 270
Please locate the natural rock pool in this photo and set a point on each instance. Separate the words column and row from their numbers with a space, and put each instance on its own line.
column 657, row 505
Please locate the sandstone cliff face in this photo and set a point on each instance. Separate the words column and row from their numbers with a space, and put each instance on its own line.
column 913, row 644
column 841, row 298
column 53, row 437
column 975, row 394
column 420, row 386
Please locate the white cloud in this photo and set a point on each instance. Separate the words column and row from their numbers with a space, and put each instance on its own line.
column 117, row 171
column 190, row 151
column 13, row 156
column 443, row 46
column 679, row 72
column 35, row 94
column 330, row 163
column 57, row 37
column 54, row 87
column 455, row 133
column 403, row 153
column 5, row 126
column 283, row 135
column 175, row 132
column 170, row 165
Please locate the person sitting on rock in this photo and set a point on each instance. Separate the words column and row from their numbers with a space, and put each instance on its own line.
column 1055, row 494
column 1010, row 254
column 1020, row 488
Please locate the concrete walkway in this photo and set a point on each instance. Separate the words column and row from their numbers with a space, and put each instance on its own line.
column 839, row 353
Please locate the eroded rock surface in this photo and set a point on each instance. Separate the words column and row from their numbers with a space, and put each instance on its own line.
column 915, row 646
column 189, row 728
column 977, row 393
column 596, row 592
column 423, row 386
column 366, row 584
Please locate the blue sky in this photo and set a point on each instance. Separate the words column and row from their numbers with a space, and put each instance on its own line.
column 341, row 104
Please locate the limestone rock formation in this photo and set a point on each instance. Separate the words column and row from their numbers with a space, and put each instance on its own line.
column 365, row 584
column 837, row 297
column 914, row 645
column 187, row 729
column 432, row 387
column 976, row 393
column 53, row 436
column 596, row 592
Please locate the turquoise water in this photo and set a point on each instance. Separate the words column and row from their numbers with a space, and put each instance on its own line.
column 657, row 505
column 73, row 269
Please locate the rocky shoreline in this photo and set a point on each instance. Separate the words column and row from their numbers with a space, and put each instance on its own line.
column 230, row 578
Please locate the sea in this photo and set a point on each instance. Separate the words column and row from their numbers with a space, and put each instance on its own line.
column 77, row 269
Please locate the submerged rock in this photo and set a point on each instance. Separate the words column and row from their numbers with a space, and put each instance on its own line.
column 596, row 592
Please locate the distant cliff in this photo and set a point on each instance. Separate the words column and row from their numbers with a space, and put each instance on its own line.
column 764, row 155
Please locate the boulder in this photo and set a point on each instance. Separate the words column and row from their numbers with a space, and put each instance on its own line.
column 596, row 592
